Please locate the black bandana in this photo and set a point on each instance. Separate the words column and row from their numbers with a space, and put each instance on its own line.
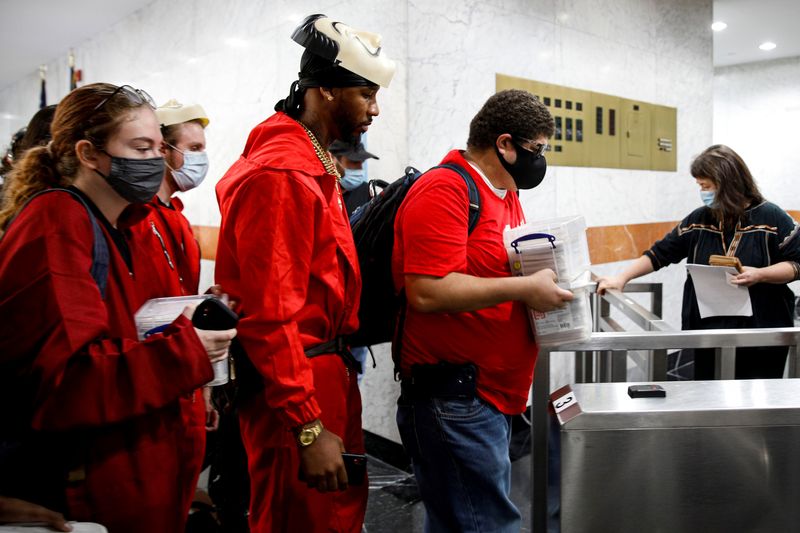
column 316, row 71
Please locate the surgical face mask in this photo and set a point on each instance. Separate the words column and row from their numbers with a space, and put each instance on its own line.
column 707, row 197
column 136, row 180
column 193, row 171
column 353, row 178
column 528, row 170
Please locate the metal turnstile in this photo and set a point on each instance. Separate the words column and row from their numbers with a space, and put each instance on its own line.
column 713, row 456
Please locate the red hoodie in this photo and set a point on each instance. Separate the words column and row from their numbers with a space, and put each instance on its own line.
column 286, row 253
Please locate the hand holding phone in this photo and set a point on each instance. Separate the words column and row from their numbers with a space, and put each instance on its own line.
column 213, row 314
column 355, row 464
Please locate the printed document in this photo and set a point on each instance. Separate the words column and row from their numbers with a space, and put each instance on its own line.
column 716, row 295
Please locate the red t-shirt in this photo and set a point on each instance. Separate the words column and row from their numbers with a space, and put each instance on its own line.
column 431, row 238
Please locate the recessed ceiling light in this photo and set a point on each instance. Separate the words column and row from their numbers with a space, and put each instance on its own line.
column 767, row 46
column 719, row 26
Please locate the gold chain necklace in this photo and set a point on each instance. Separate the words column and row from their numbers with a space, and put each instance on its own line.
column 322, row 154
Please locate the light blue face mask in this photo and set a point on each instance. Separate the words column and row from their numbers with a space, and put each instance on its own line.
column 193, row 171
column 353, row 177
column 707, row 197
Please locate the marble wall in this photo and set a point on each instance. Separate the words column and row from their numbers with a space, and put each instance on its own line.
column 236, row 59
column 756, row 112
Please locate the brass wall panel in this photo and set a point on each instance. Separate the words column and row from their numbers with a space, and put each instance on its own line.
column 634, row 146
column 665, row 128
column 602, row 143
column 601, row 130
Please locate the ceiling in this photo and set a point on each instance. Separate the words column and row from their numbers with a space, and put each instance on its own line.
column 33, row 32
column 23, row 23
column 750, row 23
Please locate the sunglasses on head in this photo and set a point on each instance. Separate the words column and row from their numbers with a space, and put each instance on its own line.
column 135, row 96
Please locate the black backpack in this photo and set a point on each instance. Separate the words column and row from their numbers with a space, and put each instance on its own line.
column 373, row 233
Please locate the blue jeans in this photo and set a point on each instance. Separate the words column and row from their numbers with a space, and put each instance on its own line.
column 459, row 450
column 360, row 353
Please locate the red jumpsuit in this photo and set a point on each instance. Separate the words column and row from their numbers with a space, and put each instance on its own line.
column 174, row 245
column 71, row 361
column 171, row 244
column 286, row 253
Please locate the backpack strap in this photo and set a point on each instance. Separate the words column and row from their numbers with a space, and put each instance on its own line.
column 100, row 254
column 474, row 195
column 474, row 216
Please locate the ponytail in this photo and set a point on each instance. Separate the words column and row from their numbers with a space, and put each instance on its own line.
column 292, row 104
column 36, row 172
column 87, row 113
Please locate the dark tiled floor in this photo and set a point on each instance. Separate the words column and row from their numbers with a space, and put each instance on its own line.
column 393, row 504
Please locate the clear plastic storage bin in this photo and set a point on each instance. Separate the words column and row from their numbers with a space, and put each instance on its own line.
column 560, row 245
column 571, row 248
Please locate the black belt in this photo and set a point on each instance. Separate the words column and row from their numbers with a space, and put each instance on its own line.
column 336, row 346
column 443, row 380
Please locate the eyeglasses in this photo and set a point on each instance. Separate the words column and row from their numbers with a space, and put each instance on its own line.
column 537, row 150
column 135, row 96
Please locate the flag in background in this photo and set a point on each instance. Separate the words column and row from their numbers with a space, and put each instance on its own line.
column 74, row 74
column 43, row 90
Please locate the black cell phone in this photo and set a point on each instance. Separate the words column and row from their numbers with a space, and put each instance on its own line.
column 213, row 314
column 647, row 391
column 355, row 464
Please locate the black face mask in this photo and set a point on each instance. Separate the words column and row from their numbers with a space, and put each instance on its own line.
column 528, row 170
column 136, row 180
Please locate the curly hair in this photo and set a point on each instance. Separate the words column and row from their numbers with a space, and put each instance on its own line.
column 736, row 188
column 516, row 112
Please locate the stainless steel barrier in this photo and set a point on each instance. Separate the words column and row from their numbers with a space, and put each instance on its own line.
column 594, row 367
column 724, row 340
column 709, row 456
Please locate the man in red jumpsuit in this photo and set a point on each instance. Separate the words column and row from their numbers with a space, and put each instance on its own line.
column 287, row 254
column 175, row 250
column 184, row 146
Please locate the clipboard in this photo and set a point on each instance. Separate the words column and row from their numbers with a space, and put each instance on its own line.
column 725, row 261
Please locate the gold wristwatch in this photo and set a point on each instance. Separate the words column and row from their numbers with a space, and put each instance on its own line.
column 308, row 434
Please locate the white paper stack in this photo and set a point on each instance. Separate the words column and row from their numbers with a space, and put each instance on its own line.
column 160, row 312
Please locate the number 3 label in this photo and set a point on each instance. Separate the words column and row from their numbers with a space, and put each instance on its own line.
column 564, row 402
